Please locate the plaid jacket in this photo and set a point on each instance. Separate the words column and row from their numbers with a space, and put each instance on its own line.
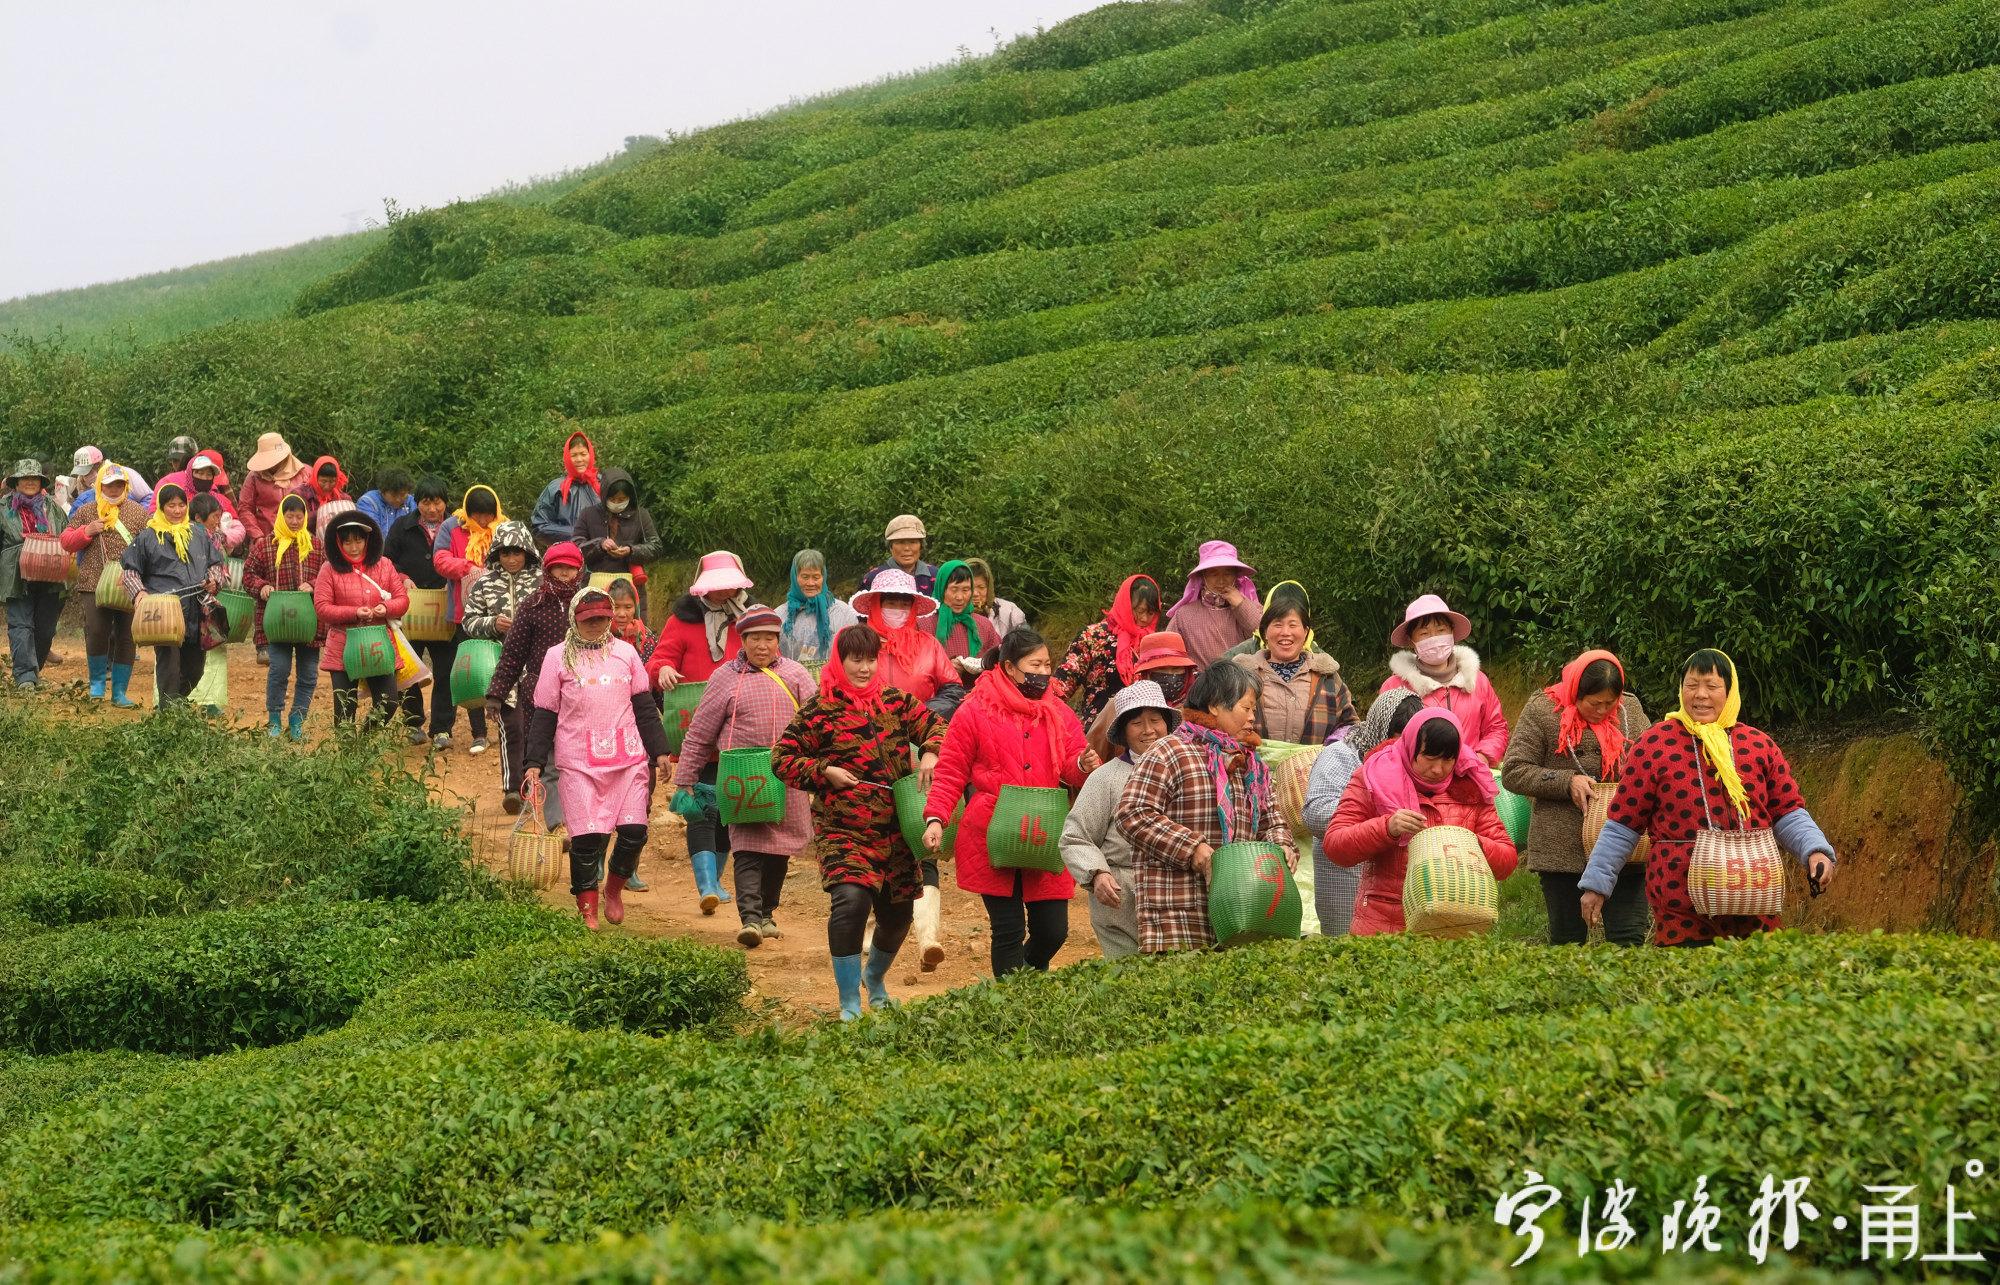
column 262, row 567
column 1168, row 810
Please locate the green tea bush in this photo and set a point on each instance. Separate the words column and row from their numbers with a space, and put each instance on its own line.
column 31, row 1087
column 228, row 979
column 57, row 896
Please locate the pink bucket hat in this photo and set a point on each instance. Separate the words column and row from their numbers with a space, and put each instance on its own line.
column 1214, row 555
column 893, row 581
column 1429, row 605
column 721, row 572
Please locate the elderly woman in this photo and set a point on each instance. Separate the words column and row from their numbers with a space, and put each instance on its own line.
column 1335, row 888
column 286, row 561
column 1006, row 616
column 1105, row 656
column 103, row 525
column 813, row 616
column 1301, row 696
column 1740, row 781
column 594, row 717
column 1011, row 731
column 33, row 606
column 1094, row 848
column 848, row 747
column 1218, row 609
column 748, row 703
column 1571, row 735
column 1434, row 662
column 1193, row 792
column 905, row 536
column 965, row 634
column 174, row 555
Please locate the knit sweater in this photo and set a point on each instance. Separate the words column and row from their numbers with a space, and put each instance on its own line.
column 1534, row 768
column 1092, row 842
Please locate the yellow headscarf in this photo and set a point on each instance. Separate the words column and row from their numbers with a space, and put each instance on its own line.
column 179, row 532
column 478, row 534
column 110, row 514
column 1272, row 593
column 284, row 535
column 1714, row 738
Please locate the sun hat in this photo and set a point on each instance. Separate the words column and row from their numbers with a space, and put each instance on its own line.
column 1429, row 605
column 1219, row 554
column 721, row 572
column 1163, row 650
column 893, row 581
column 563, row 553
column 905, row 526
column 28, row 468
column 272, row 450
column 1133, row 697
column 759, row 617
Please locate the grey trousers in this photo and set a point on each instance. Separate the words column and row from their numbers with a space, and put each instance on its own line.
column 1334, row 890
column 1117, row 930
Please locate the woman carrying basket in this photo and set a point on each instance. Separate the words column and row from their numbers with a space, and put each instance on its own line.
column 357, row 588
column 1427, row 776
column 1742, row 790
column 1095, row 849
column 848, row 747
column 595, row 718
column 173, row 555
column 747, row 704
column 1193, row 792
column 1571, row 737
column 98, row 533
column 282, row 562
column 1013, row 730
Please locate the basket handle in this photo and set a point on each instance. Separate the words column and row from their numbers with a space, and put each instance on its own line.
column 534, row 808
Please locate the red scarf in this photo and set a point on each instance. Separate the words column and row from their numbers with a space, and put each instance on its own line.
column 339, row 490
column 1127, row 631
column 906, row 644
column 1610, row 731
column 997, row 695
column 833, row 681
column 570, row 473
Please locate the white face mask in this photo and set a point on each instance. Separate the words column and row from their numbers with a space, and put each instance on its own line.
column 894, row 617
column 618, row 506
column 1436, row 650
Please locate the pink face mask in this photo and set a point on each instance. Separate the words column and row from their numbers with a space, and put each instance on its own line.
column 895, row 616
column 1435, row 651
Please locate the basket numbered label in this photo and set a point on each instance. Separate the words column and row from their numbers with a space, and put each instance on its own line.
column 683, row 717
column 746, row 793
column 1742, row 875
column 373, row 654
column 1270, row 870
column 1033, row 833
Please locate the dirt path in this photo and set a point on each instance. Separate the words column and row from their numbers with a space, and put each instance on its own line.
column 792, row 973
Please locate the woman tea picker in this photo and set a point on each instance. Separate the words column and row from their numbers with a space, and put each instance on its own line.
column 526, row 635
column 566, row 499
column 747, row 704
column 1438, row 667
column 848, row 747
column 1218, row 609
column 33, row 607
column 1571, row 735
column 812, row 615
column 286, row 561
column 1740, row 781
column 1335, row 888
column 100, row 530
column 1105, row 656
column 964, row 633
column 174, row 556
column 1094, row 847
column 1301, row 696
column 1193, row 792
column 594, row 717
column 1012, row 730
column 357, row 588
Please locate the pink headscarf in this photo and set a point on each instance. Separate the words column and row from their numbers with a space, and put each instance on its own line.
column 1392, row 779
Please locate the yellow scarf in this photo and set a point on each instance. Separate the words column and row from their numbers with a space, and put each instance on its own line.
column 1714, row 739
column 479, row 535
column 285, row 535
column 179, row 532
column 111, row 513
column 1311, row 637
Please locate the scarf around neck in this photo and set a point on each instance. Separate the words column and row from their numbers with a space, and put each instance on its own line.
column 177, row 532
column 1220, row 750
column 285, row 536
column 717, row 621
column 996, row 694
column 797, row 604
column 1126, row 633
column 1609, row 731
column 947, row 619
column 478, row 533
column 834, row 682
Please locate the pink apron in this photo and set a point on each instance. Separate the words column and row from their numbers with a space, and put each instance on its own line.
column 599, row 756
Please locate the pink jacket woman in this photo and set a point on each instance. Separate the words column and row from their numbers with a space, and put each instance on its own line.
column 340, row 590
column 748, row 708
column 991, row 745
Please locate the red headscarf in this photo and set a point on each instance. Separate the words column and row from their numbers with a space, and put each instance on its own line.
column 906, row 644
column 1126, row 630
column 997, row 694
column 570, row 473
column 339, row 478
column 1610, row 731
column 833, row 679
column 1390, row 771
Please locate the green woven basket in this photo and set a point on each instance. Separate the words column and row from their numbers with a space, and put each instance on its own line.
column 1026, row 830
column 241, row 609
column 677, row 711
column 472, row 671
column 1251, row 895
column 749, row 792
column 910, row 816
column 1514, row 810
column 366, row 652
column 111, row 595
column 289, row 618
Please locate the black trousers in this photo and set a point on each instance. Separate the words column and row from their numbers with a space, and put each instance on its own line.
column 1626, row 916
column 586, row 856
column 848, row 921
column 444, row 714
column 381, row 697
column 513, row 746
column 179, row 669
column 1026, row 934
column 760, row 881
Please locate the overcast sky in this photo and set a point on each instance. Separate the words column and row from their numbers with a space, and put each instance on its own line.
column 137, row 135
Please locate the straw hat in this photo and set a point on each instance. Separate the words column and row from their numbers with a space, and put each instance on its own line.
column 272, row 450
column 893, row 581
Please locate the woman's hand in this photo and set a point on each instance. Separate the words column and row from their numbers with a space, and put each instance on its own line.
column 1580, row 791
column 926, row 771
column 664, row 765
column 1819, row 868
column 531, row 782
column 1204, row 860
column 667, row 679
column 264, row 594
column 841, row 779
column 933, row 837
column 95, row 528
column 1593, row 909
column 502, row 621
column 1104, row 887
column 1088, row 762
column 1405, row 822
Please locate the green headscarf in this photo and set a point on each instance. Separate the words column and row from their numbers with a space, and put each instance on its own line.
column 947, row 618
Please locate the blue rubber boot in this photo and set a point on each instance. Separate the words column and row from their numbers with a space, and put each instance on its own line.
column 705, row 881
column 847, row 976
column 297, row 726
column 877, row 977
column 121, row 678
column 277, row 727
column 100, row 674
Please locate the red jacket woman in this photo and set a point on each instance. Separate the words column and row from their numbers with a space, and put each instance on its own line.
column 1374, row 822
column 342, row 588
